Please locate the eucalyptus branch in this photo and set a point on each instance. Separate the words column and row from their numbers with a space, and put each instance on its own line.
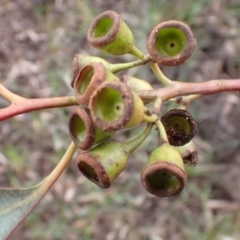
column 178, row 89
column 24, row 105
column 108, row 103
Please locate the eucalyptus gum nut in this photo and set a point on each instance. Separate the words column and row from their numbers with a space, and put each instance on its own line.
column 79, row 61
column 137, row 84
column 103, row 163
column 138, row 114
column 114, row 106
column 88, row 80
column 180, row 126
column 164, row 174
column 109, row 33
column 83, row 132
column 171, row 43
column 188, row 153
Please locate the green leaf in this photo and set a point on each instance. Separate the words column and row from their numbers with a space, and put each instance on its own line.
column 16, row 204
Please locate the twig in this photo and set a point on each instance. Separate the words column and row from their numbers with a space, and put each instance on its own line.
column 183, row 89
column 9, row 96
column 28, row 105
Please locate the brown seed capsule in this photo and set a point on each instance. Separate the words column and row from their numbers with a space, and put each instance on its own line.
column 89, row 79
column 180, row 126
column 82, row 130
column 114, row 106
column 171, row 43
column 164, row 174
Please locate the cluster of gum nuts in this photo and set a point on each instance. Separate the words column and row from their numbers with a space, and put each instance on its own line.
column 108, row 103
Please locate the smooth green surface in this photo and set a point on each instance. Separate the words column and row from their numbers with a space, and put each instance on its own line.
column 137, row 84
column 15, row 204
column 112, row 156
column 85, row 60
column 122, row 43
column 101, row 135
column 170, row 42
column 103, row 27
column 166, row 153
column 109, row 104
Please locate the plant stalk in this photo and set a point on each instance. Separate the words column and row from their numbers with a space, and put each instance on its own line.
column 117, row 67
column 131, row 145
column 9, row 96
column 137, row 53
column 162, row 132
column 159, row 74
column 29, row 105
column 57, row 171
column 178, row 89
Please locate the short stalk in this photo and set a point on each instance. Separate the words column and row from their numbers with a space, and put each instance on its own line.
column 154, row 116
column 114, row 68
column 162, row 132
column 157, row 102
column 189, row 99
column 134, row 143
column 183, row 106
column 184, row 101
column 159, row 74
column 151, row 119
column 137, row 53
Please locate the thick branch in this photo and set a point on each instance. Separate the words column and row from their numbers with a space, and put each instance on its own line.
column 183, row 89
column 28, row 105
column 175, row 90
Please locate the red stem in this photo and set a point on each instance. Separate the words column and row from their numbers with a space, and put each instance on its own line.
column 175, row 90
column 183, row 89
column 28, row 105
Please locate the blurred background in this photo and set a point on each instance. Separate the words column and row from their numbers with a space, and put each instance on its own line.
column 38, row 40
